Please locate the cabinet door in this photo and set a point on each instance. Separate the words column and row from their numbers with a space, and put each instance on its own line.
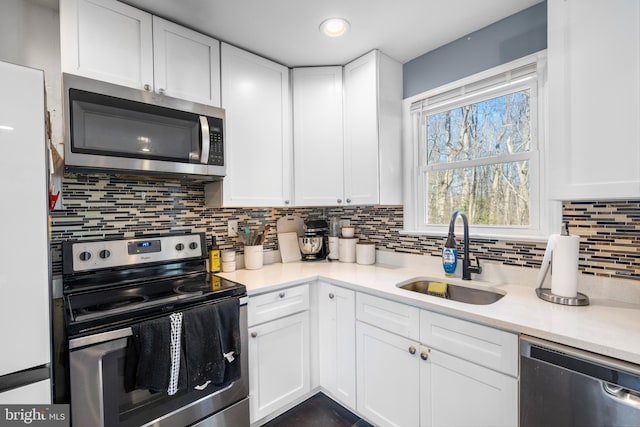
column 186, row 63
column 279, row 370
column 594, row 99
column 255, row 94
column 361, row 176
column 317, row 136
column 458, row 393
column 107, row 40
column 388, row 377
column 337, row 342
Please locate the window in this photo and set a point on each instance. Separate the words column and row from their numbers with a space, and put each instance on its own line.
column 477, row 146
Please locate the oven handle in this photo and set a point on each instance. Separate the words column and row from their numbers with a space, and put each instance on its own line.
column 99, row 338
column 113, row 335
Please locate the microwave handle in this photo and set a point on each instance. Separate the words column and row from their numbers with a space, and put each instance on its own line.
column 206, row 142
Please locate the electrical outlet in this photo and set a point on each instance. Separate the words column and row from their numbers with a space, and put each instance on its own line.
column 232, row 230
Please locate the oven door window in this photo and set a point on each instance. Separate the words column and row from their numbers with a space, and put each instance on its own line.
column 99, row 397
column 116, row 127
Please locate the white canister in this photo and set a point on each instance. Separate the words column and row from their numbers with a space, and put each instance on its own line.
column 334, row 247
column 228, row 256
column 347, row 249
column 366, row 252
column 228, row 266
column 253, row 257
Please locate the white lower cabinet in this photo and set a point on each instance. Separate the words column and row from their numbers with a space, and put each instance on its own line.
column 388, row 380
column 279, row 370
column 279, row 357
column 458, row 373
column 396, row 365
column 337, row 342
column 455, row 392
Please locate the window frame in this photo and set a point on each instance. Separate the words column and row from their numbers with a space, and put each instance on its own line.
column 545, row 214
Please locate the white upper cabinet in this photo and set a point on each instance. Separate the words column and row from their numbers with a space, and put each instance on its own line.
column 372, row 130
column 107, row 40
column 594, row 99
column 113, row 42
column 256, row 96
column 186, row 63
column 317, row 136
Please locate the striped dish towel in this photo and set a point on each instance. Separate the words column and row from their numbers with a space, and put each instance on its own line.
column 176, row 331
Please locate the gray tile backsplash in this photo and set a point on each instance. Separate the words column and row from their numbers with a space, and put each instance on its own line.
column 98, row 206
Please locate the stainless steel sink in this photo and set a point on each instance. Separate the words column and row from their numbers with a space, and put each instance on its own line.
column 454, row 292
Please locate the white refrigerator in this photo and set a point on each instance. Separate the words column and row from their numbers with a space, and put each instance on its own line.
column 25, row 333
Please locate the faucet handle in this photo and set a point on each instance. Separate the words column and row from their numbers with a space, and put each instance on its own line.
column 477, row 269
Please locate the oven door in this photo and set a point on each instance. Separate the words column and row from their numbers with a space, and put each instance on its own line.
column 98, row 396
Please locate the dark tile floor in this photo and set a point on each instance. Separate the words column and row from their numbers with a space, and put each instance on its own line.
column 318, row 411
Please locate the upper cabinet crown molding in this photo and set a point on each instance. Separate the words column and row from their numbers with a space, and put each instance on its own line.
column 594, row 99
column 110, row 41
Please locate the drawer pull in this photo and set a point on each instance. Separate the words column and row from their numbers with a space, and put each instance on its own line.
column 331, row 296
column 281, row 294
column 254, row 334
column 424, row 355
column 412, row 350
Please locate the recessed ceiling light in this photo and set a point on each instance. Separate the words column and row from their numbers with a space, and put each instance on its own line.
column 334, row 27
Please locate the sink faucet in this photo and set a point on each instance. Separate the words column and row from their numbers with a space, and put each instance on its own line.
column 466, row 267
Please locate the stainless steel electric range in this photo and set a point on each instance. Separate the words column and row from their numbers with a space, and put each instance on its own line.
column 115, row 292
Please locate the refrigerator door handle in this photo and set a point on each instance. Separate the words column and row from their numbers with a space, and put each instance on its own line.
column 24, row 377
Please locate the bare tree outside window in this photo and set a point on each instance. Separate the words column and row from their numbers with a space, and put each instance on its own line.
column 468, row 151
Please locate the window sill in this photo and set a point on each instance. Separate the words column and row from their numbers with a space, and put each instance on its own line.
column 526, row 236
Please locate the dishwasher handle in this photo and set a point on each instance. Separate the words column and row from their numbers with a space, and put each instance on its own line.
column 630, row 397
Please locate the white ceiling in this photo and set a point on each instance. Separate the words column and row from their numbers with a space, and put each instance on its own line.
column 286, row 31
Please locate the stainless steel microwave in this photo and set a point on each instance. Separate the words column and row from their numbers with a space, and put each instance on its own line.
column 116, row 129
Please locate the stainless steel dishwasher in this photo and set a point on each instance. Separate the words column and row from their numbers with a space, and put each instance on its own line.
column 564, row 386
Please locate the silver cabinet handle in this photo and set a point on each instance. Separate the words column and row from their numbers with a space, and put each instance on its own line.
column 348, row 200
column 286, row 202
column 424, row 355
column 161, row 91
column 339, row 201
column 281, row 294
column 147, row 87
column 254, row 334
column 206, row 142
column 412, row 350
column 331, row 296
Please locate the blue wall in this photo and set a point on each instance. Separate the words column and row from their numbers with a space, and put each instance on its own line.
column 503, row 41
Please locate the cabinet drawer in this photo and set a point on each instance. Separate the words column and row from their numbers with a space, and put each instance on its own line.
column 391, row 316
column 483, row 345
column 263, row 308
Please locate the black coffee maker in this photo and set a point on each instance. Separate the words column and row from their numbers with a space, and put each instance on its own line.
column 314, row 244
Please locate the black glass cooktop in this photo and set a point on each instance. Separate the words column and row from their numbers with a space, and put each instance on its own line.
column 118, row 305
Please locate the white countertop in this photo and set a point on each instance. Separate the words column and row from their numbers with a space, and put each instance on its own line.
column 608, row 327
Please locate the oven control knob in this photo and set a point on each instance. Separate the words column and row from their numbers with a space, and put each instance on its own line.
column 104, row 254
column 179, row 247
column 85, row 256
column 193, row 245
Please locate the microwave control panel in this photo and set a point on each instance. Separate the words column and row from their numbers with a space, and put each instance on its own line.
column 216, row 152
